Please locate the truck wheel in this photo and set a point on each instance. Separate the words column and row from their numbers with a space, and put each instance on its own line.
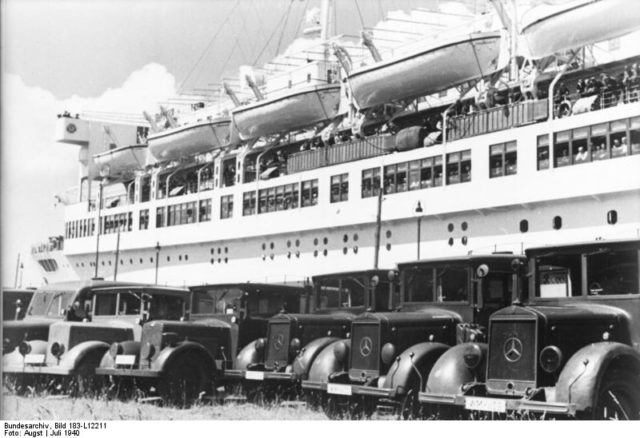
column 618, row 397
column 85, row 382
column 183, row 381
column 410, row 406
column 336, row 407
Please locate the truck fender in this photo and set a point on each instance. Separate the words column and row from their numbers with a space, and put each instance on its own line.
column 449, row 373
column 85, row 354
column 318, row 356
column 14, row 358
column 248, row 355
column 412, row 367
column 169, row 354
column 583, row 373
column 127, row 347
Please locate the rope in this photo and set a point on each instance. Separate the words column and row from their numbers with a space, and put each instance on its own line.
column 359, row 13
column 284, row 26
column 275, row 29
column 206, row 50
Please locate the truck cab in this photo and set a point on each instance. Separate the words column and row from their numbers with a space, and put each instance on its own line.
column 443, row 302
column 15, row 303
column 177, row 360
column 570, row 349
column 279, row 361
column 114, row 312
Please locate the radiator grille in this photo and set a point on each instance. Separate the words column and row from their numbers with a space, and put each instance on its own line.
column 365, row 350
column 278, row 335
column 512, row 355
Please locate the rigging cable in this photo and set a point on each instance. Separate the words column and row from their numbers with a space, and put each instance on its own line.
column 275, row 28
column 284, row 26
column 359, row 13
column 208, row 47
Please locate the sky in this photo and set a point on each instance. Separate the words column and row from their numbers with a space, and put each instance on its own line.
column 124, row 56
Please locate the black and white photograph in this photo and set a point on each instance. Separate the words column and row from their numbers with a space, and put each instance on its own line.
column 318, row 210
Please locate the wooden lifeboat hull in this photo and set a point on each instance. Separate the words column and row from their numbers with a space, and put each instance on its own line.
column 295, row 110
column 550, row 29
column 121, row 162
column 191, row 139
column 430, row 69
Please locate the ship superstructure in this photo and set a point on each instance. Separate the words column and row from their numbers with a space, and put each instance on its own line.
column 315, row 174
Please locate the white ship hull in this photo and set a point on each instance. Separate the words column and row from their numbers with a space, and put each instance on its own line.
column 292, row 111
column 427, row 71
column 121, row 162
column 195, row 138
column 328, row 237
column 552, row 29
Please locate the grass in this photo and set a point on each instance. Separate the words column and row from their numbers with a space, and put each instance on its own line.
column 64, row 408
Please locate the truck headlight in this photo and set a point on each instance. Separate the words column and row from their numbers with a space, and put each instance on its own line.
column 57, row 349
column 550, row 358
column 116, row 349
column 472, row 356
column 24, row 348
column 388, row 353
column 147, row 351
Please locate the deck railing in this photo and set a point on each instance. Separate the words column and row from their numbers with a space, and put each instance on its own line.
column 340, row 153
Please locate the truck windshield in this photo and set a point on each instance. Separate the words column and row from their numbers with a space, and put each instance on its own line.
column 50, row 303
column 558, row 276
column 612, row 273
column 335, row 293
column 217, row 300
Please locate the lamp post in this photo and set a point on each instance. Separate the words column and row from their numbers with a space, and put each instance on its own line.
column 418, row 212
column 157, row 260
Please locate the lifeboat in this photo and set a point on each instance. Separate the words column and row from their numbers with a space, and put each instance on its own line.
column 295, row 110
column 190, row 139
column 121, row 162
column 432, row 68
column 550, row 29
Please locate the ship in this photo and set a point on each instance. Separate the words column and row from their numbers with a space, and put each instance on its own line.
column 509, row 132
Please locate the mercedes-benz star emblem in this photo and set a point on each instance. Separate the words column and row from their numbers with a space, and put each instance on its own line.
column 366, row 345
column 278, row 342
column 512, row 349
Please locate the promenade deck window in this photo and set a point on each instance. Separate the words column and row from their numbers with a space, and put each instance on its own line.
column 204, row 212
column 370, row 182
column 503, row 159
column 340, row 188
column 309, row 193
column 459, row 167
column 226, row 207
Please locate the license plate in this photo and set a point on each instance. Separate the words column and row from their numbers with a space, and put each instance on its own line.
column 126, row 359
column 254, row 375
column 338, row 389
column 34, row 359
column 485, row 404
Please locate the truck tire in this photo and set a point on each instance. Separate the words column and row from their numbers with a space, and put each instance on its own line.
column 183, row 381
column 618, row 397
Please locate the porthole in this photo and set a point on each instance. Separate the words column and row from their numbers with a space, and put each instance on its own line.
column 168, row 258
column 388, row 234
column 524, row 226
column 464, row 240
column 345, row 250
column 264, row 246
column 212, row 261
column 141, row 261
column 315, row 241
column 271, row 256
column 103, row 263
column 355, row 249
column 288, row 244
column 345, row 238
column 226, row 250
column 298, row 254
column 186, row 257
column 355, row 237
column 450, row 241
column 130, row 261
column 289, row 255
column 212, row 251
column 297, row 242
column 557, row 222
column 180, row 257
column 226, row 260
column 150, row 259
column 464, row 226
column 315, row 253
column 325, row 240
column 612, row 217
column 264, row 257
column 83, row 263
column 450, row 227
column 121, row 262
column 219, row 260
column 388, row 247
column 110, row 262
column 219, row 250
column 77, row 265
column 325, row 252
